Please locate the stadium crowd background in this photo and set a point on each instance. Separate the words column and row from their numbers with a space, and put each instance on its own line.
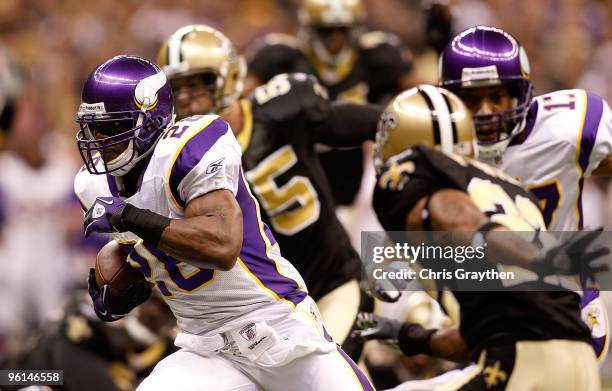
column 58, row 42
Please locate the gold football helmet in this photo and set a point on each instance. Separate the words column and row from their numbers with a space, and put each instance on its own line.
column 427, row 115
column 330, row 30
column 331, row 13
column 200, row 50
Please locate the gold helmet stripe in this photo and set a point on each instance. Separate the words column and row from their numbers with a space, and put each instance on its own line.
column 441, row 109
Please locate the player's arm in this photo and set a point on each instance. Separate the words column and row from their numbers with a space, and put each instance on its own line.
column 454, row 211
column 209, row 236
column 605, row 167
column 210, row 231
column 412, row 338
column 348, row 125
column 203, row 180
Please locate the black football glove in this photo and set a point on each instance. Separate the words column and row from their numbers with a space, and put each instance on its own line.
column 369, row 326
column 110, row 310
column 571, row 257
column 409, row 338
column 386, row 289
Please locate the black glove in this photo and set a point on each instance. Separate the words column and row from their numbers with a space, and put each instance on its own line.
column 410, row 338
column 571, row 257
column 369, row 326
column 387, row 290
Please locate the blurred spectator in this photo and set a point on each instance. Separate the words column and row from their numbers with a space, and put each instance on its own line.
column 36, row 182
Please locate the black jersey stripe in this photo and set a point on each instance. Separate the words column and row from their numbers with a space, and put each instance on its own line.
column 434, row 123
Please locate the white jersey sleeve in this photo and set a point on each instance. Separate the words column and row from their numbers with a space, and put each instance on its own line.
column 602, row 137
column 218, row 169
column 87, row 187
column 566, row 137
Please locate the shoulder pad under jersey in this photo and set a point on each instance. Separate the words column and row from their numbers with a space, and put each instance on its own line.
column 289, row 96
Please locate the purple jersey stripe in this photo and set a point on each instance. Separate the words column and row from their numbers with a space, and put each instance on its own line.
column 599, row 345
column 592, row 117
column 193, row 151
column 126, row 247
column 163, row 288
column 588, row 294
column 365, row 384
column 254, row 249
column 144, row 265
column 269, row 235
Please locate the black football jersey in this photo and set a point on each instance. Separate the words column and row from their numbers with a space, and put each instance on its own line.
column 371, row 75
column 488, row 318
column 285, row 175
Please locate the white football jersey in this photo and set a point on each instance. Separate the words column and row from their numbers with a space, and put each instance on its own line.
column 195, row 156
column 568, row 134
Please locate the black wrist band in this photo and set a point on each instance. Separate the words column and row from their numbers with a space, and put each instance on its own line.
column 148, row 225
column 415, row 339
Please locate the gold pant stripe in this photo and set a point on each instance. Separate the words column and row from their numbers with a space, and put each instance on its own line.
column 339, row 309
column 554, row 365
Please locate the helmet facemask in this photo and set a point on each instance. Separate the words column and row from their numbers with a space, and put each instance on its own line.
column 204, row 63
column 189, row 90
column 495, row 130
column 473, row 64
column 318, row 36
column 323, row 22
column 119, row 140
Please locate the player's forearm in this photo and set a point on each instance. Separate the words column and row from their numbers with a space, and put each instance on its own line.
column 349, row 125
column 604, row 168
column 454, row 211
column 508, row 248
column 449, row 345
column 210, row 241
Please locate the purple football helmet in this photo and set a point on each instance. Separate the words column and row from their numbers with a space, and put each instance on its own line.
column 125, row 106
column 484, row 56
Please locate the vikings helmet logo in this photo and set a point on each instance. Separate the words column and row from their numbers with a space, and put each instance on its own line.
column 145, row 93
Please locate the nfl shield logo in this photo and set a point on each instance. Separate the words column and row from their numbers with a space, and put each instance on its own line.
column 249, row 332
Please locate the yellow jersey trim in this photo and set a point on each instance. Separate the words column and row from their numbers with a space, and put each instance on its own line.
column 176, row 155
column 244, row 137
column 578, row 149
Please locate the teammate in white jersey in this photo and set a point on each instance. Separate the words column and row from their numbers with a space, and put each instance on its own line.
column 550, row 143
column 175, row 196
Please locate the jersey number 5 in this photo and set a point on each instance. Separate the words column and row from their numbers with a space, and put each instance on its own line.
column 291, row 207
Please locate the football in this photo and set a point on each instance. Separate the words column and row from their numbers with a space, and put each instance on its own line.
column 113, row 269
